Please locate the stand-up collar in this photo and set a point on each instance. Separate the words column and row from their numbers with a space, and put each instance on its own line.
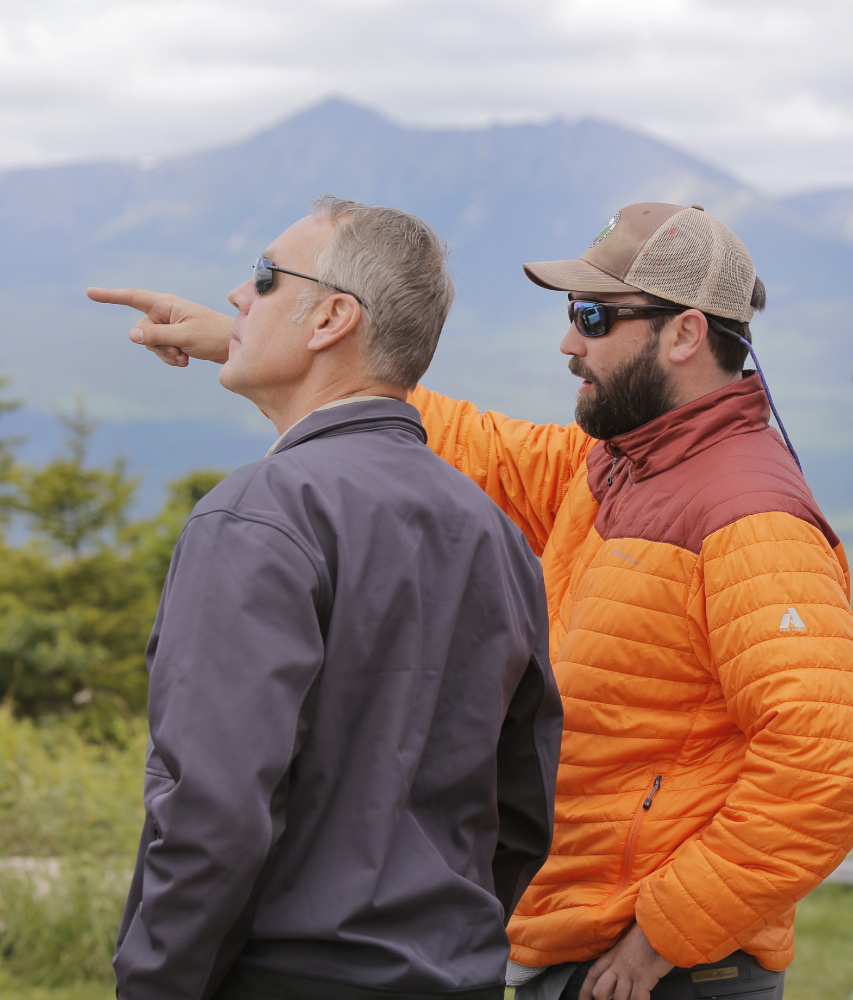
column 370, row 414
column 739, row 408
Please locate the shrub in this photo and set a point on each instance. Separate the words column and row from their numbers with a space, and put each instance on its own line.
column 58, row 921
column 60, row 794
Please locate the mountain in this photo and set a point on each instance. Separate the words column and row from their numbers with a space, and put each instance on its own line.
column 828, row 211
column 499, row 196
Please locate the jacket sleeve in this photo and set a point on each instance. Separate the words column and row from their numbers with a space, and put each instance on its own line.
column 524, row 467
column 770, row 614
column 235, row 652
column 528, row 756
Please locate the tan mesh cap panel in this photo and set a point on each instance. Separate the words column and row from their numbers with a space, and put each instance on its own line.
column 695, row 260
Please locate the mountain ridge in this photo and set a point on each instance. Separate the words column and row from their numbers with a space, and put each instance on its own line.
column 499, row 196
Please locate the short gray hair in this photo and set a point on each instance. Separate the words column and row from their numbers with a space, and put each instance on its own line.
column 397, row 265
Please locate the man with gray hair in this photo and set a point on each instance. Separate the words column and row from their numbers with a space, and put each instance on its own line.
column 354, row 724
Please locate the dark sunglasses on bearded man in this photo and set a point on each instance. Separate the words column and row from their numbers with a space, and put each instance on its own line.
column 595, row 319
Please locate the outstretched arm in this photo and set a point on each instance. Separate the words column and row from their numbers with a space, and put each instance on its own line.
column 175, row 329
column 524, row 467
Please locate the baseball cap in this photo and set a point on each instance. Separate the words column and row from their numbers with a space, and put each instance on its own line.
column 678, row 253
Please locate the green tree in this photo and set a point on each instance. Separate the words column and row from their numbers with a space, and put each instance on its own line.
column 78, row 595
column 74, row 610
column 71, row 505
column 7, row 458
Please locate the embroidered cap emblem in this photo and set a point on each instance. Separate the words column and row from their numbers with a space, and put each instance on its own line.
column 791, row 622
column 607, row 229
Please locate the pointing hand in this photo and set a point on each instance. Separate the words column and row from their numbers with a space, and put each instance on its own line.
column 175, row 329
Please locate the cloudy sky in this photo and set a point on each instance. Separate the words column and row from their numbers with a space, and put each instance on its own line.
column 763, row 88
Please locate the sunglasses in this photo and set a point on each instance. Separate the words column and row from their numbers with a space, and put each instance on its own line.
column 263, row 279
column 595, row 319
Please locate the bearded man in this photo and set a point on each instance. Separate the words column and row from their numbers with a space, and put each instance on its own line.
column 701, row 630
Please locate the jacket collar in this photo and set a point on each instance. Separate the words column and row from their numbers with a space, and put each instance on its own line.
column 739, row 408
column 367, row 415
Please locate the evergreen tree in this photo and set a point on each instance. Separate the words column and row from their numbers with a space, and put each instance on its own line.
column 70, row 505
column 7, row 458
column 78, row 596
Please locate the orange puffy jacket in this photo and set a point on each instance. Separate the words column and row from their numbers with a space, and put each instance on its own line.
column 702, row 640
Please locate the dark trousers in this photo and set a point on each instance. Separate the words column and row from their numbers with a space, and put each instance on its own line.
column 738, row 976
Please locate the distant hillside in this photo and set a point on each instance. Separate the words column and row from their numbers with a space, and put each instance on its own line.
column 500, row 196
column 828, row 212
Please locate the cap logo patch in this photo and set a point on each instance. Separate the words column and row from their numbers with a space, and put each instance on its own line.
column 607, row 229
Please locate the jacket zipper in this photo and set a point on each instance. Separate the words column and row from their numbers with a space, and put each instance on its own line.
column 612, row 468
column 648, row 803
column 615, row 454
column 631, row 843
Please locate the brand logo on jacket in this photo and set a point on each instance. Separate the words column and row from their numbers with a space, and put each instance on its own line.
column 626, row 557
column 712, row 975
column 792, row 623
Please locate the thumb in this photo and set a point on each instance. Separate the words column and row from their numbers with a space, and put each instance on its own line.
column 159, row 338
column 159, row 335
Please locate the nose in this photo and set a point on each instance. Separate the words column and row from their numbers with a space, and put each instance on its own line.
column 573, row 342
column 241, row 296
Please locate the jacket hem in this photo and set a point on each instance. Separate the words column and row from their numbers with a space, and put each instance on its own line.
column 244, row 983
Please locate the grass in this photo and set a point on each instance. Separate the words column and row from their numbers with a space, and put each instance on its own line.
column 60, row 794
column 823, row 965
column 20, row 991
column 58, row 923
column 73, row 811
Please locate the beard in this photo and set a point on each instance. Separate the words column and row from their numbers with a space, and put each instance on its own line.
column 635, row 392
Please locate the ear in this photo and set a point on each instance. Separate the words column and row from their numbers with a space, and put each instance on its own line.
column 686, row 334
column 334, row 318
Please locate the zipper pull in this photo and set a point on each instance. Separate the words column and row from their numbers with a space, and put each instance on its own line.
column 612, row 467
column 648, row 803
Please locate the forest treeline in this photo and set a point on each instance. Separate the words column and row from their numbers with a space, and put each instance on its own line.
column 80, row 579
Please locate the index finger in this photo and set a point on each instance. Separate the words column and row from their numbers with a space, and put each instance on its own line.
column 594, row 973
column 136, row 298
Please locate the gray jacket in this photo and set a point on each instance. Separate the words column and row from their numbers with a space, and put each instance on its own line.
column 354, row 726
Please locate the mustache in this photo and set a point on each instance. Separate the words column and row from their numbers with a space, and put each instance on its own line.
column 578, row 368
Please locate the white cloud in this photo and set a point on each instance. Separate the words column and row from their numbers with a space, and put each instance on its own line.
column 764, row 89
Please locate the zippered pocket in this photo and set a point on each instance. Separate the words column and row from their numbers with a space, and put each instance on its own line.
column 633, row 837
